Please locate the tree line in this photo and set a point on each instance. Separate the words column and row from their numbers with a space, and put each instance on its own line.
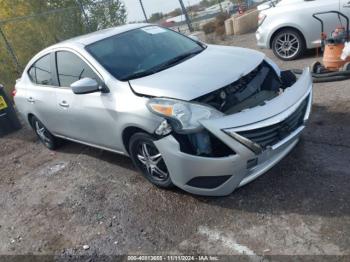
column 155, row 17
column 31, row 25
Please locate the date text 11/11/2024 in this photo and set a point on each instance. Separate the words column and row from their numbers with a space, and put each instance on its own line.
column 172, row 258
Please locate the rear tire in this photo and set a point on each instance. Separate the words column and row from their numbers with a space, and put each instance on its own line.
column 44, row 135
column 288, row 44
column 148, row 160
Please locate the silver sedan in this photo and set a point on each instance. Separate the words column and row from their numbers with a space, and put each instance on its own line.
column 205, row 118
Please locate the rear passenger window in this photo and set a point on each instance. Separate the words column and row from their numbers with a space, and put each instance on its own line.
column 70, row 68
column 40, row 72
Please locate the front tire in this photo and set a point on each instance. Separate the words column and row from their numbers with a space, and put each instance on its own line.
column 149, row 160
column 288, row 44
column 44, row 135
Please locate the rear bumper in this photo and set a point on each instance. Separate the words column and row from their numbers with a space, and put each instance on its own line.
column 238, row 168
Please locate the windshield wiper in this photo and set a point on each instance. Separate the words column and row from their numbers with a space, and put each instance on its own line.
column 137, row 75
column 162, row 66
column 176, row 60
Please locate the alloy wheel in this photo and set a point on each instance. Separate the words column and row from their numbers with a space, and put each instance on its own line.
column 152, row 161
column 287, row 45
column 42, row 133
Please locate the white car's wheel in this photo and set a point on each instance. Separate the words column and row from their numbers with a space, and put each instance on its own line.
column 288, row 44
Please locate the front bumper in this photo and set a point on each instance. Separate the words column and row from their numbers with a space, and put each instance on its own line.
column 262, row 38
column 184, row 167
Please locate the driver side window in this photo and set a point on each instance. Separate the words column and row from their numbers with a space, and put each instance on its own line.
column 70, row 68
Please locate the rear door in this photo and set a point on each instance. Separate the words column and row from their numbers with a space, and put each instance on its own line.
column 40, row 94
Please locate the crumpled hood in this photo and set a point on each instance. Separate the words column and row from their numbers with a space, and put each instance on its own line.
column 214, row 68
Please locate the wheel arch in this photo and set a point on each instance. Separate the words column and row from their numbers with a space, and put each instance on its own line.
column 29, row 118
column 286, row 28
column 128, row 132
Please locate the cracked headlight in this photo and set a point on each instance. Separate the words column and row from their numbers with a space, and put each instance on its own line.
column 184, row 116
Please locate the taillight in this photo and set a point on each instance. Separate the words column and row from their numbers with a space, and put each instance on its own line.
column 14, row 92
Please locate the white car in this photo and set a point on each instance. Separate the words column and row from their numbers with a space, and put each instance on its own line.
column 289, row 29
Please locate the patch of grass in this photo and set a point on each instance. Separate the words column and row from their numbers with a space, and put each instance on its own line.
column 8, row 87
column 217, row 25
column 209, row 27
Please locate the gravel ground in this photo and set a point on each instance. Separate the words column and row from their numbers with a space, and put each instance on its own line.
column 57, row 202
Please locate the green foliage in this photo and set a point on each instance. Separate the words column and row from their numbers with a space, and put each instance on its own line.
column 209, row 27
column 207, row 3
column 216, row 25
column 155, row 17
column 175, row 12
column 40, row 23
column 103, row 14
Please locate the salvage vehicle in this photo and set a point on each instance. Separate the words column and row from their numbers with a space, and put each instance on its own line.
column 205, row 118
column 288, row 28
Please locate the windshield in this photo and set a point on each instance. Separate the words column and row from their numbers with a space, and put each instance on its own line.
column 142, row 51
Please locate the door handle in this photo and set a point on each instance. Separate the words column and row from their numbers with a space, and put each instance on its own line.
column 31, row 100
column 64, row 104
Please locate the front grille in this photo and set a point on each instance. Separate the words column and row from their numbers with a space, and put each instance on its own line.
column 271, row 135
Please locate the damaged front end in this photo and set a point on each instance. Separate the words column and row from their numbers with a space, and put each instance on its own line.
column 254, row 139
column 251, row 90
column 261, row 85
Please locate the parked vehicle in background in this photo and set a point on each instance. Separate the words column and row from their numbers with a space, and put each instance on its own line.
column 267, row 4
column 289, row 29
column 205, row 118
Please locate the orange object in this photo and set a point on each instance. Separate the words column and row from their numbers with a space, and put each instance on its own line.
column 163, row 109
column 331, row 57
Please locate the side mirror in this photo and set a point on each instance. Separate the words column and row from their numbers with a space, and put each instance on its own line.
column 87, row 86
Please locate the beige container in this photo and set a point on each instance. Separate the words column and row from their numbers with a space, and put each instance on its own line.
column 229, row 27
column 246, row 23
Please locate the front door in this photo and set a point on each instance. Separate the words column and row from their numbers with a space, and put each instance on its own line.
column 83, row 117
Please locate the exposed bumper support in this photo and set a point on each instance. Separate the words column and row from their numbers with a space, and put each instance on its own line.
column 184, row 167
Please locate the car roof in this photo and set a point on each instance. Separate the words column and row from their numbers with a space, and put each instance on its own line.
column 98, row 35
